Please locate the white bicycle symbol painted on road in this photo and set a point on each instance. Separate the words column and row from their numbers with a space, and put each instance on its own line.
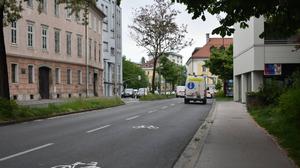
column 79, row 165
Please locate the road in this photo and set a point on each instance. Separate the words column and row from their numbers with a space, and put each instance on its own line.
column 135, row 135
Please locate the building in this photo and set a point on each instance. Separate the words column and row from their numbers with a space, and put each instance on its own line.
column 46, row 53
column 112, row 47
column 259, row 59
column 176, row 58
column 196, row 63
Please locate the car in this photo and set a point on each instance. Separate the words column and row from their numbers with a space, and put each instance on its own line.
column 195, row 89
column 142, row 92
column 128, row 92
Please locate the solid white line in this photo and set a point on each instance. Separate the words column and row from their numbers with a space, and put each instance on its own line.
column 25, row 152
column 131, row 118
column 96, row 129
column 172, row 104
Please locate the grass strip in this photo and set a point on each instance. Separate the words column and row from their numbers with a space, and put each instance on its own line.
column 11, row 112
column 286, row 133
column 151, row 97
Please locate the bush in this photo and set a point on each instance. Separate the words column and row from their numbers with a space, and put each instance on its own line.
column 289, row 105
column 270, row 92
column 220, row 94
column 8, row 108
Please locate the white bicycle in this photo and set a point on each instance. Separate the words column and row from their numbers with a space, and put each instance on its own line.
column 79, row 165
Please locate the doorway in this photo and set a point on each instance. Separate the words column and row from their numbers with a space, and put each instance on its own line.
column 44, row 82
column 95, row 79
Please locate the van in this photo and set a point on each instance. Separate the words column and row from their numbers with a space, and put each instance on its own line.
column 195, row 89
column 180, row 91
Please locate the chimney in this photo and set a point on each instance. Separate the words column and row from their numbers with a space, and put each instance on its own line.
column 207, row 37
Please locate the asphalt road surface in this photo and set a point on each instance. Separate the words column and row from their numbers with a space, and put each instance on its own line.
column 136, row 135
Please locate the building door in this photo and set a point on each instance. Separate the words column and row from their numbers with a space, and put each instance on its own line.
column 44, row 82
column 95, row 84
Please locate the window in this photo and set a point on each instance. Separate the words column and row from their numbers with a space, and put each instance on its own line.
column 79, row 45
column 56, row 8
column 105, row 45
column 30, row 74
column 79, row 77
column 95, row 50
column 57, row 75
column 30, row 3
column 44, row 38
column 30, row 35
column 57, row 40
column 95, row 24
column 69, row 13
column 13, row 39
column 14, row 73
column 69, row 36
column 44, row 6
column 105, row 26
column 90, row 48
column 203, row 68
column 69, row 76
column 112, row 51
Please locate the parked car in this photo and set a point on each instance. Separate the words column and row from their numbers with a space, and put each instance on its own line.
column 180, row 91
column 142, row 92
column 128, row 92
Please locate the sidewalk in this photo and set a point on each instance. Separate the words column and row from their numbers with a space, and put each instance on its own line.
column 235, row 141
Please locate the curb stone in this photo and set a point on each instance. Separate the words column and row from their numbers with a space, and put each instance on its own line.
column 191, row 154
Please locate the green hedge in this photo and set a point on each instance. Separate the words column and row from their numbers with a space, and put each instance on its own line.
column 10, row 111
column 150, row 97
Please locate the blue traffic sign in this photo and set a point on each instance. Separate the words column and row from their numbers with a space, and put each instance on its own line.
column 191, row 85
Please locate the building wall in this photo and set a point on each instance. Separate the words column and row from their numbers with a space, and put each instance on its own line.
column 19, row 53
column 251, row 53
column 197, row 66
column 112, row 47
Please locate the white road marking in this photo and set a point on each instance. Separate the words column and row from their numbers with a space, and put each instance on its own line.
column 39, row 120
column 172, row 104
column 152, row 111
column 164, row 107
column 55, row 117
column 131, row 118
column 25, row 152
column 96, row 129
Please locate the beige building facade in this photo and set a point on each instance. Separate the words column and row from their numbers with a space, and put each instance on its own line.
column 46, row 53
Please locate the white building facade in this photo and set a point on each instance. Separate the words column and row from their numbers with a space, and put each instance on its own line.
column 176, row 58
column 253, row 55
column 112, row 47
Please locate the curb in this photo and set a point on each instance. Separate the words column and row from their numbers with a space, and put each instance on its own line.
column 191, row 154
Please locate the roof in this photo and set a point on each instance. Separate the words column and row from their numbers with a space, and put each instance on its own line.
column 204, row 52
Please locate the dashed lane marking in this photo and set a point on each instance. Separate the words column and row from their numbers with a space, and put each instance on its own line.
column 97, row 129
column 25, row 152
column 131, row 118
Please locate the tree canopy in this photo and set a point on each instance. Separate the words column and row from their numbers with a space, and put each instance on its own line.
column 220, row 62
column 282, row 15
column 154, row 28
column 131, row 71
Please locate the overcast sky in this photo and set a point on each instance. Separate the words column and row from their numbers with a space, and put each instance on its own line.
column 196, row 29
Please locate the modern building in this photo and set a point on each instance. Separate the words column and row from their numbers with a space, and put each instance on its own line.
column 112, row 47
column 196, row 63
column 176, row 58
column 46, row 53
column 259, row 59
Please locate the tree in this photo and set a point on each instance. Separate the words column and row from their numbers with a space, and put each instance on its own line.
column 143, row 60
column 220, row 63
column 154, row 29
column 10, row 10
column 172, row 73
column 131, row 71
column 282, row 15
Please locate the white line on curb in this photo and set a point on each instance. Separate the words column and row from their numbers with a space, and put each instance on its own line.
column 25, row 152
column 131, row 118
column 96, row 129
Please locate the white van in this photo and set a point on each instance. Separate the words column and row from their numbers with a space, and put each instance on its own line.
column 180, row 91
column 195, row 89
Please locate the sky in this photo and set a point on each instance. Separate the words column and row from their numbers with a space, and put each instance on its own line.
column 197, row 29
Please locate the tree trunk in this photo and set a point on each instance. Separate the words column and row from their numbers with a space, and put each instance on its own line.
column 225, row 87
column 153, row 74
column 4, row 85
